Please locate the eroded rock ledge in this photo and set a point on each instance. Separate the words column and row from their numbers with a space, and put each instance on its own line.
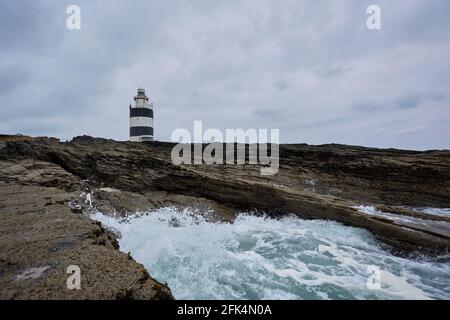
column 41, row 235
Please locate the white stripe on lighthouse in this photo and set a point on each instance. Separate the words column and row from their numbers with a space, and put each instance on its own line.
column 141, row 122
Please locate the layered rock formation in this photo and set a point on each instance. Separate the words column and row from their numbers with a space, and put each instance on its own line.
column 40, row 177
column 43, row 233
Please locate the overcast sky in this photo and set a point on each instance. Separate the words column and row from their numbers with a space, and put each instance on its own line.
column 309, row 68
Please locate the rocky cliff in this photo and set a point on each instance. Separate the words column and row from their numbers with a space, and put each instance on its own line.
column 45, row 225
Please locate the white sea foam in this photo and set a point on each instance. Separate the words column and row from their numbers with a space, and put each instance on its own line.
column 445, row 212
column 261, row 258
column 441, row 227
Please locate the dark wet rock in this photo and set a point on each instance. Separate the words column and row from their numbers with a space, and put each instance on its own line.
column 38, row 243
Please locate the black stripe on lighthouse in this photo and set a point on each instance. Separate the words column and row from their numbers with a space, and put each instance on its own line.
column 141, row 112
column 141, row 131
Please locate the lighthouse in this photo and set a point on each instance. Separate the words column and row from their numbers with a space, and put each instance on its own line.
column 141, row 118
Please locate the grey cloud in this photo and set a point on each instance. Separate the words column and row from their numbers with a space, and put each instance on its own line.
column 333, row 71
column 409, row 102
column 282, row 85
column 404, row 102
column 270, row 113
column 310, row 68
column 11, row 78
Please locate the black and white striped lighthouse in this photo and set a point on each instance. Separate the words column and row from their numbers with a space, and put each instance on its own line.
column 141, row 118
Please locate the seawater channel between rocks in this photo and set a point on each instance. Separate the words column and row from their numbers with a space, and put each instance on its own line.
column 262, row 258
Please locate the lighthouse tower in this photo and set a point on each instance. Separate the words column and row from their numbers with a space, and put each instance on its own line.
column 141, row 118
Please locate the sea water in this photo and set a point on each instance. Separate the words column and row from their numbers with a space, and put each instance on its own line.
column 263, row 258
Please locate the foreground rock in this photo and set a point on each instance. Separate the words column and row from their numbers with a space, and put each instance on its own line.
column 314, row 182
column 40, row 237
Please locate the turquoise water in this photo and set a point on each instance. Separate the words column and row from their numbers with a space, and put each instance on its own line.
column 261, row 258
